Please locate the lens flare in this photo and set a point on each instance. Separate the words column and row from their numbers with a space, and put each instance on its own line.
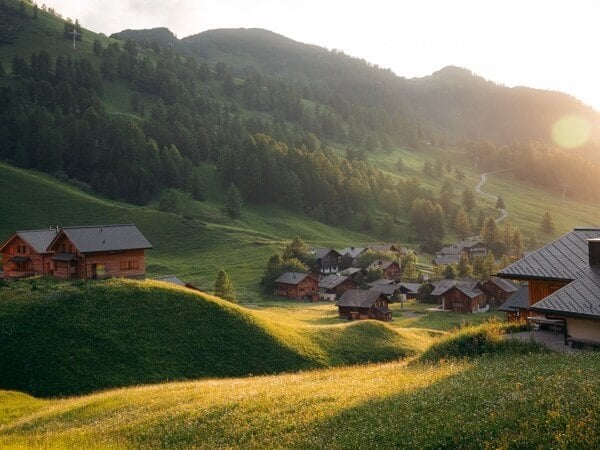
column 571, row 131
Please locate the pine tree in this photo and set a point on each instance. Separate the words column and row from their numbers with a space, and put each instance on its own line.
column 450, row 272
column 464, row 268
column 447, row 186
column 500, row 203
column 489, row 231
column 504, row 262
column 462, row 224
column 533, row 241
column 224, row 286
column 295, row 249
column 233, row 202
column 517, row 243
column 272, row 272
column 547, row 224
column 489, row 266
column 410, row 272
column 468, row 199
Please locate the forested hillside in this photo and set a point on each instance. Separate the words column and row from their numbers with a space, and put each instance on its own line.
column 136, row 116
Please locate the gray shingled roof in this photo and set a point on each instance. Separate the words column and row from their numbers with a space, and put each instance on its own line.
column 505, row 285
column 321, row 252
column 579, row 298
column 412, row 288
column 350, row 271
column 469, row 290
column 381, row 264
column 332, row 281
column 457, row 248
column 563, row 259
column 359, row 298
column 386, row 289
column 38, row 239
column 291, row 277
column 380, row 282
column 353, row 252
column 466, row 286
column 106, row 238
column 445, row 260
column 520, row 299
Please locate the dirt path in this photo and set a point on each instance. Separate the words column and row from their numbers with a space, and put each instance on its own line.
column 503, row 212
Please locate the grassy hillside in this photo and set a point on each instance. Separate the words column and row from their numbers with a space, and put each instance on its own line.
column 506, row 401
column 59, row 338
column 194, row 247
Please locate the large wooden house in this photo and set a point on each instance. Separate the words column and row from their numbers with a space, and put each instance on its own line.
column 328, row 260
column 350, row 255
column 297, row 285
column 87, row 252
column 26, row 253
column 361, row 304
column 459, row 295
column 564, row 284
column 453, row 253
column 516, row 306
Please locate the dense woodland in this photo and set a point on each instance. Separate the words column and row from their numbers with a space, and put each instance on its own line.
column 267, row 135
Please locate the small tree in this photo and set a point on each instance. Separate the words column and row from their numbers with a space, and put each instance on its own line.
column 450, row 272
column 374, row 275
column 489, row 231
column 233, row 202
column 464, row 268
column 97, row 47
column 410, row 272
column 504, row 262
column 462, row 225
column 489, row 266
column 468, row 199
column 517, row 243
column 500, row 203
column 547, row 224
column 224, row 286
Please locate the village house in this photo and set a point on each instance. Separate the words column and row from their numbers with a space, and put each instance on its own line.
column 564, row 284
column 350, row 255
column 26, row 253
column 332, row 287
column 517, row 305
column 87, row 252
column 453, row 253
column 358, row 304
column 297, row 285
column 411, row 290
column 383, row 247
column 351, row 272
column 327, row 260
column 498, row 290
column 99, row 251
column 390, row 269
column 459, row 295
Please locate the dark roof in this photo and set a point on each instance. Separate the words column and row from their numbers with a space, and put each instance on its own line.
column 105, row 238
column 350, row 271
column 579, row 298
column 519, row 299
column 381, row 264
column 470, row 290
column 38, row 239
column 383, row 309
column 353, row 252
column 171, row 279
column 440, row 260
column 457, row 248
column 505, row 285
column 383, row 247
column 321, row 253
column 291, row 277
column 332, row 281
column 359, row 298
column 412, row 288
column 466, row 286
column 387, row 289
column 380, row 282
column 63, row 257
column 566, row 258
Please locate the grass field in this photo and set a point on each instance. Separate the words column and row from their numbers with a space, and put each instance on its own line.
column 503, row 401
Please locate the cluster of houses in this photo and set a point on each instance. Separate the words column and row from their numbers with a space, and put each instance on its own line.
column 87, row 252
column 453, row 253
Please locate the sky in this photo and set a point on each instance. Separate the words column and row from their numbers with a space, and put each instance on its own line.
column 550, row 44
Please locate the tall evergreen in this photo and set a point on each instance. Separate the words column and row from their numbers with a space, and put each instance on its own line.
column 500, row 203
column 468, row 199
column 224, row 286
column 547, row 223
column 233, row 202
column 462, row 225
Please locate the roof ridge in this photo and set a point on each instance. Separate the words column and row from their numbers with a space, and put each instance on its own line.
column 39, row 230
column 99, row 226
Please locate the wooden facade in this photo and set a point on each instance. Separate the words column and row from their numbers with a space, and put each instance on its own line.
column 339, row 290
column 329, row 262
column 306, row 289
column 495, row 294
column 539, row 289
column 378, row 311
column 391, row 269
column 19, row 259
column 456, row 300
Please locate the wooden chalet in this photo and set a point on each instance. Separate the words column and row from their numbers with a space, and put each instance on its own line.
column 411, row 290
column 26, row 253
column 459, row 295
column 334, row 286
column 564, row 284
column 358, row 304
column 516, row 306
column 351, row 272
column 297, row 285
column 498, row 290
column 390, row 269
column 328, row 260
column 99, row 251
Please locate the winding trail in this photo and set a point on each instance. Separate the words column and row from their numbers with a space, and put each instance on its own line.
column 503, row 212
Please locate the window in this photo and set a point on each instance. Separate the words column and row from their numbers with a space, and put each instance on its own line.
column 129, row 265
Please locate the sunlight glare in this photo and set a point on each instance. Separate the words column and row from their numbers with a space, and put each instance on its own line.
column 571, row 131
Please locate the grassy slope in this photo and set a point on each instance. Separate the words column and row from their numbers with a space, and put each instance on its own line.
column 527, row 401
column 59, row 338
column 193, row 248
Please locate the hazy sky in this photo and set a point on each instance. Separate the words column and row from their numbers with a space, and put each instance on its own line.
column 545, row 44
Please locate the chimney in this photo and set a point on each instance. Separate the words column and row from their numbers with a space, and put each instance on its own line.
column 57, row 228
column 594, row 252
